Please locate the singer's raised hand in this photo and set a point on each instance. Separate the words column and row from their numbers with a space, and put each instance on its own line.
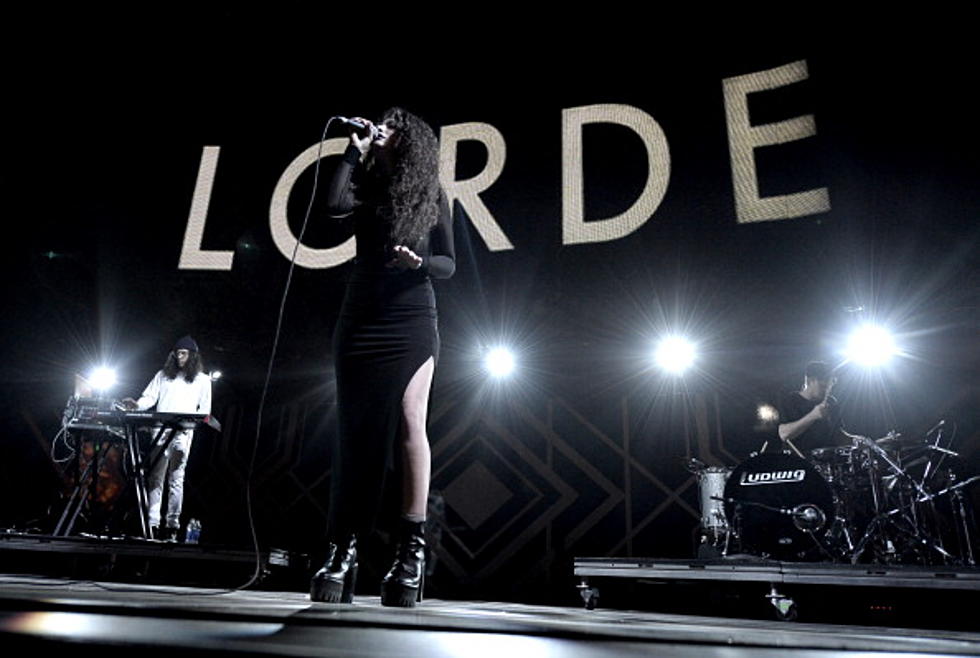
column 363, row 139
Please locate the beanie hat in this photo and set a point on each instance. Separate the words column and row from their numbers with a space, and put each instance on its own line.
column 186, row 343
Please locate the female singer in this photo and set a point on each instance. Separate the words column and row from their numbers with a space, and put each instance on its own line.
column 386, row 346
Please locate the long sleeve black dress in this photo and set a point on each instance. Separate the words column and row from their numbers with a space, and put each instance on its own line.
column 386, row 331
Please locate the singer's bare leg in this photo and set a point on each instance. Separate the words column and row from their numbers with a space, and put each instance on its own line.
column 416, row 457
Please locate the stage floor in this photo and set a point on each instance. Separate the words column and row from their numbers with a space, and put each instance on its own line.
column 88, row 617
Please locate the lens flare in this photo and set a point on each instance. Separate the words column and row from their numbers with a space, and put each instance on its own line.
column 767, row 413
column 499, row 362
column 675, row 354
column 102, row 378
column 871, row 346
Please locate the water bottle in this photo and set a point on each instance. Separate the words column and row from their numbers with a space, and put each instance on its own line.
column 193, row 532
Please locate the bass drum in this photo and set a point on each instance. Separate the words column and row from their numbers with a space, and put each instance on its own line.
column 775, row 502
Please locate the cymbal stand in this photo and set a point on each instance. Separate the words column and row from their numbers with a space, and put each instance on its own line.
column 875, row 529
column 892, row 465
column 840, row 532
column 922, row 498
column 964, row 523
column 929, row 470
column 916, row 533
column 965, row 526
column 965, row 518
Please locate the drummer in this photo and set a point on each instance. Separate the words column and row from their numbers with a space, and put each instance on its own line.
column 810, row 417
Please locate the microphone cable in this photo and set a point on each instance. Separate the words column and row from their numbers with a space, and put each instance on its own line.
column 256, row 575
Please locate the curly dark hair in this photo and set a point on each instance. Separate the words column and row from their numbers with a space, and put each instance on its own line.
column 191, row 369
column 408, row 197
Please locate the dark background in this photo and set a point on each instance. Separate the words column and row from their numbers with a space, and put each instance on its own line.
column 581, row 452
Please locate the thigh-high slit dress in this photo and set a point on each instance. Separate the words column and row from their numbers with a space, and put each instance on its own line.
column 386, row 331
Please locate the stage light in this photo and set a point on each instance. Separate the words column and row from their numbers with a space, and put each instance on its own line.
column 768, row 413
column 215, row 375
column 675, row 354
column 499, row 362
column 870, row 346
column 102, row 378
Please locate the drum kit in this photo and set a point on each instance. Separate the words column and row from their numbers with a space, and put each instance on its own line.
column 876, row 501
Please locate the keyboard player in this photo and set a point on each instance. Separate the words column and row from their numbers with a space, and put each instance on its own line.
column 180, row 386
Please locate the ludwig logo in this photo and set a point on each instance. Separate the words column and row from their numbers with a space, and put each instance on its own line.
column 772, row 477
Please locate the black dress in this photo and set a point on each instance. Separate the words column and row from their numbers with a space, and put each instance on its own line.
column 386, row 331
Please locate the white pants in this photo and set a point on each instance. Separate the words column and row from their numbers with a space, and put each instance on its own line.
column 172, row 463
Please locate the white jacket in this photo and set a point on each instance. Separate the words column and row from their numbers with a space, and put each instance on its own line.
column 177, row 395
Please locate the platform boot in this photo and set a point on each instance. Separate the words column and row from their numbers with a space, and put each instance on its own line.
column 335, row 582
column 402, row 586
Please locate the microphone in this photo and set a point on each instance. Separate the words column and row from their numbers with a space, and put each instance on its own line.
column 807, row 516
column 359, row 126
column 357, row 123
